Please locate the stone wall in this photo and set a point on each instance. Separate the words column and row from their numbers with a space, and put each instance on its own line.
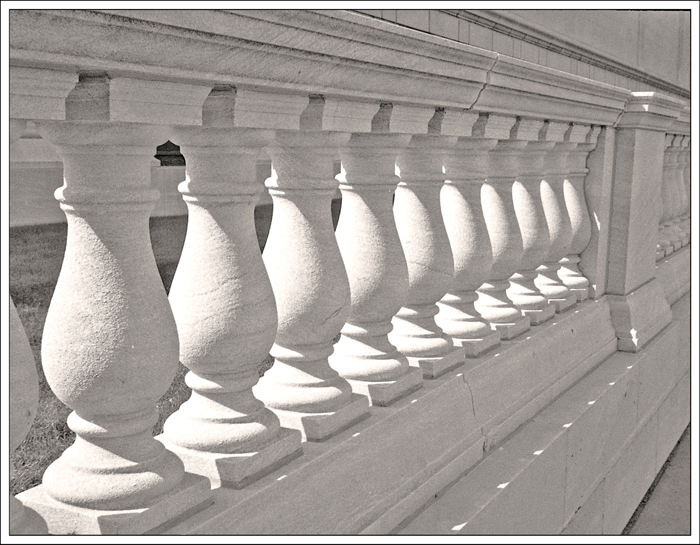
column 637, row 50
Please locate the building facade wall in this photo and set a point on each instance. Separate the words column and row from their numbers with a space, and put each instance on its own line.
column 637, row 50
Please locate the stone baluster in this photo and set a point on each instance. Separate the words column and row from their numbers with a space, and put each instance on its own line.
column 308, row 276
column 527, row 202
column 678, row 191
column 558, row 222
column 24, row 396
column 668, row 196
column 685, row 162
column 575, row 198
column 24, row 402
column 460, row 202
column 110, row 345
column 502, row 223
column 377, row 271
column 223, row 305
column 427, row 248
column 664, row 244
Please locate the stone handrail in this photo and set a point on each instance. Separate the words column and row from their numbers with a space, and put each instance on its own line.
column 505, row 188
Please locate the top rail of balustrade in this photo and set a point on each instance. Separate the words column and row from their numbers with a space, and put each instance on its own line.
column 335, row 53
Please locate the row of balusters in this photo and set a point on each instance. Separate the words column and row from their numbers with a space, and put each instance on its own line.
column 475, row 240
column 674, row 226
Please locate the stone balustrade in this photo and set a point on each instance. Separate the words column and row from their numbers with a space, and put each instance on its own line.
column 430, row 311
column 674, row 226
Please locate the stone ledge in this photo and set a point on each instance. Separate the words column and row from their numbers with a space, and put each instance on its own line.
column 588, row 438
column 525, row 374
column 423, row 441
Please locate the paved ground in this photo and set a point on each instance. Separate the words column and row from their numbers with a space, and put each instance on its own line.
column 665, row 510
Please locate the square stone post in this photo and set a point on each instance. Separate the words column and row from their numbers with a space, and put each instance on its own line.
column 638, row 305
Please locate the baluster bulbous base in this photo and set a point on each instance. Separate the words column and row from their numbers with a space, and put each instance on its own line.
column 423, row 342
column 307, row 394
column 665, row 241
column 377, row 272
column 225, row 312
column 110, row 343
column 459, row 319
column 571, row 276
column 311, row 288
column 678, row 234
column 142, row 489
column 552, row 287
column 136, row 477
column 24, row 401
column 494, row 306
column 528, row 299
column 372, row 365
column 224, row 433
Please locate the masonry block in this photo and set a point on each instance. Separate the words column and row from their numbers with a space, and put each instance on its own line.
column 414, row 18
column 588, row 519
column 533, row 502
column 513, row 384
column 444, row 24
column 630, row 478
column 639, row 315
column 674, row 416
column 660, row 370
column 673, row 272
column 517, row 489
column 599, row 435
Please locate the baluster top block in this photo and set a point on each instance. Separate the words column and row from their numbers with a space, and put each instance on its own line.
column 494, row 126
column 682, row 124
column 37, row 93
column 99, row 97
column 529, row 129
column 458, row 122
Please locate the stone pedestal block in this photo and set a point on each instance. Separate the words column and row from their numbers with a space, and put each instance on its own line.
column 110, row 345
column 640, row 315
column 192, row 494
column 24, row 401
column 238, row 470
